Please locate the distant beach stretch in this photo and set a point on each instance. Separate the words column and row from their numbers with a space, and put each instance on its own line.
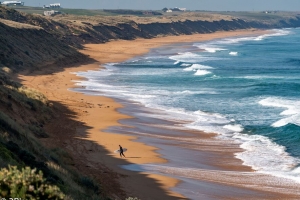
column 207, row 116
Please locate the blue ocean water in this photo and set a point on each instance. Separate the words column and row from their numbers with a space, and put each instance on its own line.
column 246, row 89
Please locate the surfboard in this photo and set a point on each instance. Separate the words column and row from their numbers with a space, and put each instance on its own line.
column 118, row 150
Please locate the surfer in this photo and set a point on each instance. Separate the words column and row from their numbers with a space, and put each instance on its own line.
column 121, row 152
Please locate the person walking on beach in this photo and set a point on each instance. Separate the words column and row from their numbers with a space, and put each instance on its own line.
column 121, row 152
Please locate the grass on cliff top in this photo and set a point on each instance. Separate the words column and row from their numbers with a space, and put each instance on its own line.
column 262, row 15
column 40, row 10
column 146, row 19
column 18, row 25
column 177, row 16
column 86, row 12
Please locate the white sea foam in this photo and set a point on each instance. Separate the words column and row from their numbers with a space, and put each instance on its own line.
column 200, row 72
column 208, row 122
column 276, row 32
column 189, row 57
column 249, row 179
column 188, row 92
column 184, row 92
column 213, row 50
column 197, row 66
column 93, row 84
column 110, row 64
column 152, row 57
column 233, row 53
column 260, row 152
column 267, row 157
column 215, row 77
column 234, row 127
column 209, row 48
column 94, row 74
column 262, row 77
column 235, row 40
column 291, row 110
column 185, row 65
column 142, row 95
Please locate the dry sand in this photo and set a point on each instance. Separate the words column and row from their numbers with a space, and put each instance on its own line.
column 83, row 137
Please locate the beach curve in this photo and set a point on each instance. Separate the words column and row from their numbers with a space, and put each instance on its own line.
column 88, row 110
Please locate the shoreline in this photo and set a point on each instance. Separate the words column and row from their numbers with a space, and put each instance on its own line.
column 91, row 109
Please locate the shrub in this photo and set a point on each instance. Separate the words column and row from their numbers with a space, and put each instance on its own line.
column 7, row 157
column 89, row 183
column 9, row 124
column 38, row 131
column 33, row 94
column 27, row 184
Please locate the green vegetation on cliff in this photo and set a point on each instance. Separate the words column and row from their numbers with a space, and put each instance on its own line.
column 26, row 184
column 23, row 114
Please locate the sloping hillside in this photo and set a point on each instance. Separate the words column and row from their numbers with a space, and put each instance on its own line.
column 24, row 113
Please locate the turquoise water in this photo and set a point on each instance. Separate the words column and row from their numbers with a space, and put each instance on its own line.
column 246, row 89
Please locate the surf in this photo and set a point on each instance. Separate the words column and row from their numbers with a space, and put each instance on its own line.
column 232, row 90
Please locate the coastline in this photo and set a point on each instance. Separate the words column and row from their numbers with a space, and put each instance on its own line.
column 90, row 110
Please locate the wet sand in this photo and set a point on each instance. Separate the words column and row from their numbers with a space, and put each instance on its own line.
column 205, row 165
column 92, row 147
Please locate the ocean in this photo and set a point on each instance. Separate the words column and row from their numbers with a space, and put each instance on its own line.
column 244, row 89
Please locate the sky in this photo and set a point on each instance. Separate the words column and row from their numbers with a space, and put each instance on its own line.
column 212, row 5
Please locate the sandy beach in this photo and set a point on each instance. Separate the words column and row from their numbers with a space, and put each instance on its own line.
column 79, row 127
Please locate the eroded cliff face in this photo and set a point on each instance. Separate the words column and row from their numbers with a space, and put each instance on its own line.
column 28, row 42
column 132, row 31
column 100, row 33
column 24, row 48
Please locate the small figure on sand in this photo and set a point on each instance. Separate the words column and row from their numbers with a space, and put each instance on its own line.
column 121, row 152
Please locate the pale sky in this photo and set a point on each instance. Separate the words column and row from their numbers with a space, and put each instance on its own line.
column 213, row 5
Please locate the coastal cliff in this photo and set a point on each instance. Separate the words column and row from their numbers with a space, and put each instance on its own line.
column 32, row 42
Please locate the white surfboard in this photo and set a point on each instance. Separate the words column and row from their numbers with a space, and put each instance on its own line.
column 118, row 150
